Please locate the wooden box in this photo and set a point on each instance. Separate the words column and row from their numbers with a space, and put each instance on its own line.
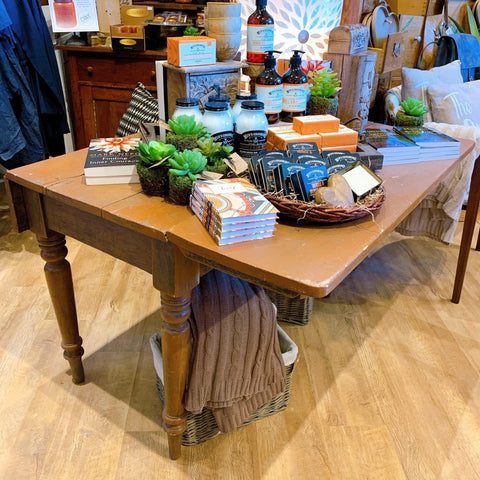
column 199, row 82
column 348, row 39
column 357, row 74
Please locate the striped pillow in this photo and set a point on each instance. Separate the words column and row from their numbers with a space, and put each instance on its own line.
column 142, row 107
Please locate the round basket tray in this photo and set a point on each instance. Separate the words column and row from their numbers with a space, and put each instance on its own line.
column 312, row 212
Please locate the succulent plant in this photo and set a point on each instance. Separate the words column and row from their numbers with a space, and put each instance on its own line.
column 191, row 31
column 153, row 152
column 324, row 83
column 214, row 151
column 187, row 163
column 413, row 106
column 185, row 132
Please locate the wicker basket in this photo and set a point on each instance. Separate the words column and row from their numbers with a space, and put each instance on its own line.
column 312, row 212
column 202, row 426
column 296, row 310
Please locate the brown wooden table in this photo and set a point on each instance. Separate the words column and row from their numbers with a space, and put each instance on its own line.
column 51, row 199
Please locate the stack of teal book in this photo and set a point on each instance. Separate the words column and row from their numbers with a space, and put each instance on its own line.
column 233, row 210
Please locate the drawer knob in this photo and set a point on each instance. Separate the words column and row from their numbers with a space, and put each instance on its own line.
column 153, row 74
column 90, row 70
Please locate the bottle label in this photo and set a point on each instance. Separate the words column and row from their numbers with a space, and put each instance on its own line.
column 250, row 143
column 271, row 96
column 225, row 138
column 294, row 97
column 259, row 38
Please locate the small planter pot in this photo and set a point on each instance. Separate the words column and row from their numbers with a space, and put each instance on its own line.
column 222, row 169
column 154, row 181
column 182, row 142
column 404, row 120
column 179, row 189
column 322, row 106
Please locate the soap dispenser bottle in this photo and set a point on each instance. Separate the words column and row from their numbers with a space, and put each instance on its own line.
column 295, row 89
column 260, row 26
column 269, row 88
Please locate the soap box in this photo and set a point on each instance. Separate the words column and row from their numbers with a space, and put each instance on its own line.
column 344, row 136
column 191, row 51
column 128, row 37
column 316, row 124
column 135, row 14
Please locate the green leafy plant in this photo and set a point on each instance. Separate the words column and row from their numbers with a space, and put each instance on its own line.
column 214, row 151
column 187, row 163
column 191, row 31
column 154, row 152
column 413, row 106
column 472, row 24
column 324, row 83
column 186, row 125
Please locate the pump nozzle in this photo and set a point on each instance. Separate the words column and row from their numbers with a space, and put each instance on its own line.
column 270, row 60
column 296, row 59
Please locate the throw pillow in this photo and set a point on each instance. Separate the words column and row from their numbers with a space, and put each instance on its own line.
column 415, row 82
column 142, row 107
column 456, row 104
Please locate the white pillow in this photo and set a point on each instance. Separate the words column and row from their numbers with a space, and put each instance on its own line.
column 456, row 104
column 415, row 82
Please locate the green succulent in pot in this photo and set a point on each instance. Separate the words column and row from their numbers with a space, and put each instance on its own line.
column 215, row 153
column 324, row 89
column 185, row 132
column 183, row 167
column 411, row 113
column 152, row 167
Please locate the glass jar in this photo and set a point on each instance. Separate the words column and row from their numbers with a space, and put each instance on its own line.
column 218, row 97
column 188, row 106
column 218, row 123
column 251, row 129
column 241, row 97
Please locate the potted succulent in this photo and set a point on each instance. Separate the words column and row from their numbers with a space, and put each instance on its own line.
column 215, row 153
column 185, row 132
column 152, row 167
column 183, row 166
column 411, row 113
column 323, row 92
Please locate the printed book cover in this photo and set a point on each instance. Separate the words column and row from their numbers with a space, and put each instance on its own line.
column 111, row 157
column 387, row 140
column 233, row 199
column 428, row 137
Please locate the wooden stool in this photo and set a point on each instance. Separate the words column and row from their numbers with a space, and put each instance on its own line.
column 467, row 234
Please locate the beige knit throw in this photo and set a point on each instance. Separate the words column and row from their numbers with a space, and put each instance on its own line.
column 237, row 364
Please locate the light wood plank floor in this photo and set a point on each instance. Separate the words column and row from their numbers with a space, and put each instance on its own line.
column 386, row 385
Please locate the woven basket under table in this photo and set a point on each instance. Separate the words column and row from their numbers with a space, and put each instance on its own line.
column 202, row 426
column 296, row 310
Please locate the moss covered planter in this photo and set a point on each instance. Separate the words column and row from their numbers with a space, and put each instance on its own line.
column 182, row 142
column 180, row 188
column 321, row 105
column 404, row 120
column 154, row 181
column 221, row 169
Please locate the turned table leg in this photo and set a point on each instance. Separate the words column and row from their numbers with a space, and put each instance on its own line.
column 60, row 285
column 175, row 353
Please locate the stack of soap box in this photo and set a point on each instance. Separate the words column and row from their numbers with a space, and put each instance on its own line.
column 324, row 130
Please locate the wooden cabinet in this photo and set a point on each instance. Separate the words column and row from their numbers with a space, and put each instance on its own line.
column 99, row 86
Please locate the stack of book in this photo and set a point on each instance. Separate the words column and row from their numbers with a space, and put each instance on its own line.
column 112, row 160
column 395, row 147
column 232, row 210
column 434, row 145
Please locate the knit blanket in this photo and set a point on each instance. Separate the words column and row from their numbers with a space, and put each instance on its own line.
column 236, row 364
column 438, row 214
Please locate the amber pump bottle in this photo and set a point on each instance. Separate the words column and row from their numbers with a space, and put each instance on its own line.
column 269, row 88
column 295, row 89
column 260, row 26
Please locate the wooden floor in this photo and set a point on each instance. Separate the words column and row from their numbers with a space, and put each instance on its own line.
column 386, row 386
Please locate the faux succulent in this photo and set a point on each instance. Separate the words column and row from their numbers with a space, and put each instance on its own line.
column 324, row 83
column 186, row 125
column 191, row 31
column 153, row 152
column 187, row 163
column 413, row 106
column 214, row 151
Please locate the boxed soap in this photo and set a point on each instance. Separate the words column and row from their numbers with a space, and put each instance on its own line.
column 344, row 136
column 128, row 37
column 316, row 124
column 191, row 51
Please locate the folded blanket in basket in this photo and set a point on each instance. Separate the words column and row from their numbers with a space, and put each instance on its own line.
column 237, row 364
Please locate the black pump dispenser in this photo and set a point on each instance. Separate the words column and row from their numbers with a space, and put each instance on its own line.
column 295, row 89
column 268, row 87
